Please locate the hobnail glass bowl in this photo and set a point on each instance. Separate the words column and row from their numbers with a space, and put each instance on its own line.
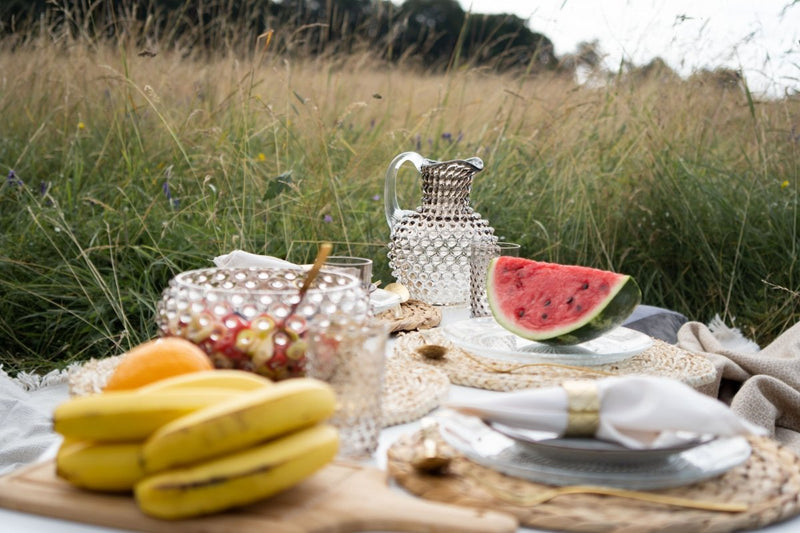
column 241, row 316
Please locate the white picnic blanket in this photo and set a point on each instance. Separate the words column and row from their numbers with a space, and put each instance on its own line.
column 26, row 406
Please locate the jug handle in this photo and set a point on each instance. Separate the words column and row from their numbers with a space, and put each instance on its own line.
column 393, row 211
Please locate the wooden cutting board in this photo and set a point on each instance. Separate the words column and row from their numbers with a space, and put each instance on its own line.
column 340, row 498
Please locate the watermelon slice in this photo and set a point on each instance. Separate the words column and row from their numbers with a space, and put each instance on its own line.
column 558, row 304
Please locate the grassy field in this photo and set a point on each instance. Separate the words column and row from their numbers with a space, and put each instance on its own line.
column 122, row 169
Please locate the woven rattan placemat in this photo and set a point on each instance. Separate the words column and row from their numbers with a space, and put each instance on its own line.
column 472, row 370
column 412, row 315
column 410, row 390
column 768, row 483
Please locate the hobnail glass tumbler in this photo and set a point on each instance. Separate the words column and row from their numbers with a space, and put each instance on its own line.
column 481, row 254
column 350, row 355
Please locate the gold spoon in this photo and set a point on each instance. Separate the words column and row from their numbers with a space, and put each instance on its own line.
column 322, row 254
column 429, row 458
column 432, row 351
column 437, row 351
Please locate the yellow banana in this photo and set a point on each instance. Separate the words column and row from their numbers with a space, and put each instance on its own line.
column 240, row 422
column 129, row 415
column 239, row 479
column 223, row 379
column 110, row 467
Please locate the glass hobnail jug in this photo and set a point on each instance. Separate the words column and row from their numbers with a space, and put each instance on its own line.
column 429, row 247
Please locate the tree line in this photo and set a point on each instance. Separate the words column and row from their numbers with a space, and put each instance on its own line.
column 434, row 33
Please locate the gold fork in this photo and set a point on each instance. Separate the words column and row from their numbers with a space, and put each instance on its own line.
column 530, row 497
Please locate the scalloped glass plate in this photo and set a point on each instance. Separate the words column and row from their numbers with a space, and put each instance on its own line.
column 485, row 337
column 580, row 449
column 487, row 447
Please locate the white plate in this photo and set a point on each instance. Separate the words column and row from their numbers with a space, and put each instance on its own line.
column 596, row 450
column 484, row 336
column 485, row 446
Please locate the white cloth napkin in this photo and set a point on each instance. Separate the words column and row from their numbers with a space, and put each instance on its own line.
column 242, row 259
column 638, row 412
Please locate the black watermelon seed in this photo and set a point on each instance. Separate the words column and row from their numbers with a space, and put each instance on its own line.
column 544, row 316
column 578, row 308
column 569, row 300
column 585, row 286
column 546, row 303
column 520, row 312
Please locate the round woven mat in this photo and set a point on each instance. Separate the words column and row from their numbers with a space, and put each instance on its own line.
column 412, row 315
column 410, row 390
column 472, row 370
column 768, row 483
column 91, row 377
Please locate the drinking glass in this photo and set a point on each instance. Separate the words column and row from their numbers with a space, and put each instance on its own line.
column 349, row 354
column 360, row 267
column 480, row 255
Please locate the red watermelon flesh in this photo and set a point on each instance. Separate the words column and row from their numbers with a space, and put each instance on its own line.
column 558, row 304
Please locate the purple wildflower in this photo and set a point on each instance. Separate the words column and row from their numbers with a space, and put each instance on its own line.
column 419, row 141
column 13, row 180
column 447, row 136
column 44, row 186
column 376, row 197
column 173, row 202
column 327, row 219
column 460, row 137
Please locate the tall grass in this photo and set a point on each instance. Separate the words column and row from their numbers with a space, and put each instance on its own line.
column 124, row 169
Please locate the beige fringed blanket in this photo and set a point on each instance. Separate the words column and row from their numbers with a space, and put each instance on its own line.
column 763, row 387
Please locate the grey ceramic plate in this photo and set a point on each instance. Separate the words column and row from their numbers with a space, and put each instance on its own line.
column 485, row 446
column 594, row 450
column 484, row 336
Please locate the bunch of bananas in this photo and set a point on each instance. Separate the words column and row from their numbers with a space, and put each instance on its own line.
column 197, row 443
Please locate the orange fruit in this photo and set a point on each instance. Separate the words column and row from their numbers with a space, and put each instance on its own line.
column 155, row 360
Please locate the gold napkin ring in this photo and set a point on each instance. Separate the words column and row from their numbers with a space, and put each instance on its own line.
column 583, row 403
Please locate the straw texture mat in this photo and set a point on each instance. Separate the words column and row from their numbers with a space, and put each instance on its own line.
column 472, row 370
column 768, row 483
column 409, row 391
column 412, row 315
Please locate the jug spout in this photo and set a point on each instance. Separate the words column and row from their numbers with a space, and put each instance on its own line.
column 476, row 162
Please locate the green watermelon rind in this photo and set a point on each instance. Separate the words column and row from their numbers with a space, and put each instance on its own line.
column 609, row 314
column 608, row 318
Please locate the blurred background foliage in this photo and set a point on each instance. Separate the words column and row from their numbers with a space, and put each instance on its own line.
column 141, row 139
column 433, row 32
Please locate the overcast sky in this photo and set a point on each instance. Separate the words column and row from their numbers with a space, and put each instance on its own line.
column 759, row 36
